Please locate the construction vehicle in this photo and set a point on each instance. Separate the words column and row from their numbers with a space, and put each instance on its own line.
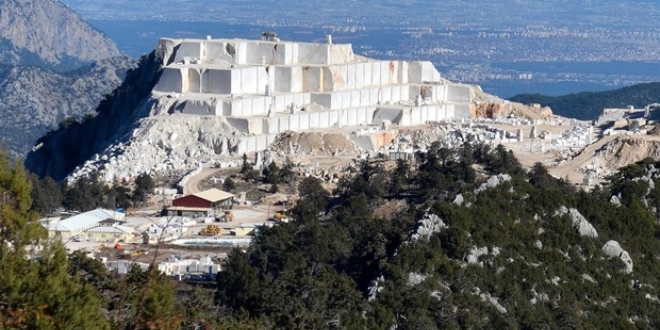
column 132, row 254
column 227, row 216
column 281, row 217
column 210, row 230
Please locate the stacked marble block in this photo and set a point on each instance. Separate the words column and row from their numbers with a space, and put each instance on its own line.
column 267, row 87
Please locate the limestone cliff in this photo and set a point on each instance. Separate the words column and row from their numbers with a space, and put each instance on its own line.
column 48, row 34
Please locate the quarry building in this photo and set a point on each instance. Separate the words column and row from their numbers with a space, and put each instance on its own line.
column 268, row 86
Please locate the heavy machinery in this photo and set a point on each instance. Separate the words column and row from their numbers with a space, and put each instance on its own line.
column 132, row 254
column 227, row 216
column 210, row 230
column 281, row 217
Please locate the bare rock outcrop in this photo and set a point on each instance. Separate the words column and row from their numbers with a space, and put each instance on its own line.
column 428, row 226
column 493, row 182
column 612, row 249
column 580, row 223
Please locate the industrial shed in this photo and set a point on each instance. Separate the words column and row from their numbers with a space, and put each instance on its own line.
column 70, row 227
column 207, row 203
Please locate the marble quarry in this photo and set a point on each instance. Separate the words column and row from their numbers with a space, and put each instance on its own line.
column 220, row 98
column 265, row 87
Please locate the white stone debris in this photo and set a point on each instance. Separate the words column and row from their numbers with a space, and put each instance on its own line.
column 588, row 277
column 493, row 182
column 476, row 252
column 583, row 226
column 487, row 297
column 652, row 298
column 414, row 279
column 374, row 288
column 542, row 297
column 612, row 249
column 459, row 200
column 538, row 244
column 428, row 226
column 438, row 295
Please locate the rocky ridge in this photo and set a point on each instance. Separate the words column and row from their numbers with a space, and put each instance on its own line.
column 46, row 33
column 36, row 100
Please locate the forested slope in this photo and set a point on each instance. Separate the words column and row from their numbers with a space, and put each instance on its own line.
column 508, row 257
column 464, row 239
column 589, row 105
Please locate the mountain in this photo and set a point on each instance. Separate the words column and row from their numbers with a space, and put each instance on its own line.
column 589, row 105
column 48, row 34
column 53, row 66
column 36, row 100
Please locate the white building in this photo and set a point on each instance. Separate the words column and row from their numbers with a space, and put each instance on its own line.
column 168, row 229
column 78, row 224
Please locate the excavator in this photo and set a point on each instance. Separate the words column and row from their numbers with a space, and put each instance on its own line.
column 210, row 230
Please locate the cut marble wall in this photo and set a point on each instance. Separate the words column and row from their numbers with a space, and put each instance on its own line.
column 263, row 87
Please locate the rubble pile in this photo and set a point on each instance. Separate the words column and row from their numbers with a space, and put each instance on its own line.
column 313, row 143
column 619, row 152
column 163, row 144
column 452, row 133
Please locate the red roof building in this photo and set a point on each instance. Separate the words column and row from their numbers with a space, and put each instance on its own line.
column 206, row 203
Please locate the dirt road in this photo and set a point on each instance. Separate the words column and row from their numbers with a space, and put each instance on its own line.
column 193, row 184
column 570, row 168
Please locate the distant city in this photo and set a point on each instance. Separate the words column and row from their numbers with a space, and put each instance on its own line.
column 508, row 47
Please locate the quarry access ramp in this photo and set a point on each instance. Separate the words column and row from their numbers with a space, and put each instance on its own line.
column 570, row 168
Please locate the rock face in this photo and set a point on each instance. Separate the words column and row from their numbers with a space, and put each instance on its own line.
column 59, row 152
column 36, row 100
column 428, row 226
column 48, row 34
column 612, row 249
column 39, row 39
column 493, row 182
column 583, row 226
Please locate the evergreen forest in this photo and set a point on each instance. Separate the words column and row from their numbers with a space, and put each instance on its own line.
column 455, row 239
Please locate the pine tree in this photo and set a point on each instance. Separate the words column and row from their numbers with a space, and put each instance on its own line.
column 36, row 289
column 245, row 168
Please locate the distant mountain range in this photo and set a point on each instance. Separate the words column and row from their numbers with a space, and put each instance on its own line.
column 48, row 34
column 53, row 65
column 589, row 105
column 36, row 100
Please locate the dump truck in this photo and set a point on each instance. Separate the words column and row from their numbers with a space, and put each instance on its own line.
column 210, row 230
